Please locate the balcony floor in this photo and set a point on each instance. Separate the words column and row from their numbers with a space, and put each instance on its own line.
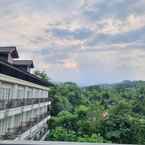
column 47, row 143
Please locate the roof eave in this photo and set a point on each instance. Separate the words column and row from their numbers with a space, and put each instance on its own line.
column 14, row 52
column 28, row 75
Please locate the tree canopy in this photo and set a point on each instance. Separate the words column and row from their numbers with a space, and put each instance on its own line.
column 103, row 113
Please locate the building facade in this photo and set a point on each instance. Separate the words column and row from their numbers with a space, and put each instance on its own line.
column 24, row 99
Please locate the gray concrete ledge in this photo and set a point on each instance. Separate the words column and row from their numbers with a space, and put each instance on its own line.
column 48, row 143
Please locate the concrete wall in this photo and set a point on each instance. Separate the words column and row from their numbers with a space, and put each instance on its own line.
column 23, row 105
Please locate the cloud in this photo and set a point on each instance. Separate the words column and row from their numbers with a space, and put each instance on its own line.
column 136, row 35
column 69, row 64
column 113, row 25
column 92, row 40
column 97, row 10
column 80, row 34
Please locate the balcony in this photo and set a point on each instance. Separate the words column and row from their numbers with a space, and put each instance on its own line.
column 8, row 104
column 22, row 109
column 36, row 128
column 39, row 135
column 13, row 133
column 50, row 143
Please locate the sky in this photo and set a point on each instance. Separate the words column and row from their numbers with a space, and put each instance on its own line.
column 84, row 41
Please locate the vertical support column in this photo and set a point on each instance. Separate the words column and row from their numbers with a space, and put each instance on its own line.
column 33, row 96
column 1, row 96
column 12, row 123
column 24, row 99
column 25, row 95
column 48, row 95
column 15, row 93
column 1, row 103
column 38, row 111
column 49, row 103
column 15, row 89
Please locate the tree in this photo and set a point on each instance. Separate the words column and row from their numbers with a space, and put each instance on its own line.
column 109, row 113
column 43, row 75
column 117, row 127
column 93, row 138
column 62, row 134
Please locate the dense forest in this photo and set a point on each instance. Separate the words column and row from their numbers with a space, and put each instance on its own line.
column 103, row 113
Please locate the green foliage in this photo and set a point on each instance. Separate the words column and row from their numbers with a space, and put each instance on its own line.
column 62, row 134
column 93, row 138
column 65, row 97
column 117, row 127
column 104, row 114
column 82, row 111
column 138, row 130
column 43, row 75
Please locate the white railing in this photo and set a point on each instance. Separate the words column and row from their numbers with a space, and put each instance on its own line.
column 18, row 110
column 33, row 129
column 9, row 79
column 50, row 143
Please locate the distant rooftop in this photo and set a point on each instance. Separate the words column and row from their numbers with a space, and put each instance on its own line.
column 10, row 55
column 10, row 70
column 24, row 63
column 10, row 49
column 18, row 68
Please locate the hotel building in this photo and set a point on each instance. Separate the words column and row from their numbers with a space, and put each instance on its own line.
column 24, row 100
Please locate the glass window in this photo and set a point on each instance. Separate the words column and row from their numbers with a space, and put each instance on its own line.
column 20, row 92
column 29, row 93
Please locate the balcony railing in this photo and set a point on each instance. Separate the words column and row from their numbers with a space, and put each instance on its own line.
column 8, row 104
column 13, row 133
column 39, row 134
column 52, row 143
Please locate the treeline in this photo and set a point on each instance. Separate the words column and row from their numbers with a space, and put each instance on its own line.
column 102, row 113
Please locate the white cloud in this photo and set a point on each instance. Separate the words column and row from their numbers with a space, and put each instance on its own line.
column 26, row 24
column 112, row 25
column 71, row 64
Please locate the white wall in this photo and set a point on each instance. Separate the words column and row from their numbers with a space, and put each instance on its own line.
column 16, row 89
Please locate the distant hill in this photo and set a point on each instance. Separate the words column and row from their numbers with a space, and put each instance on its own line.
column 123, row 84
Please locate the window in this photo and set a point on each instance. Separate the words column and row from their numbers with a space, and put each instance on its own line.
column 20, row 92
column 29, row 93
column 6, row 91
